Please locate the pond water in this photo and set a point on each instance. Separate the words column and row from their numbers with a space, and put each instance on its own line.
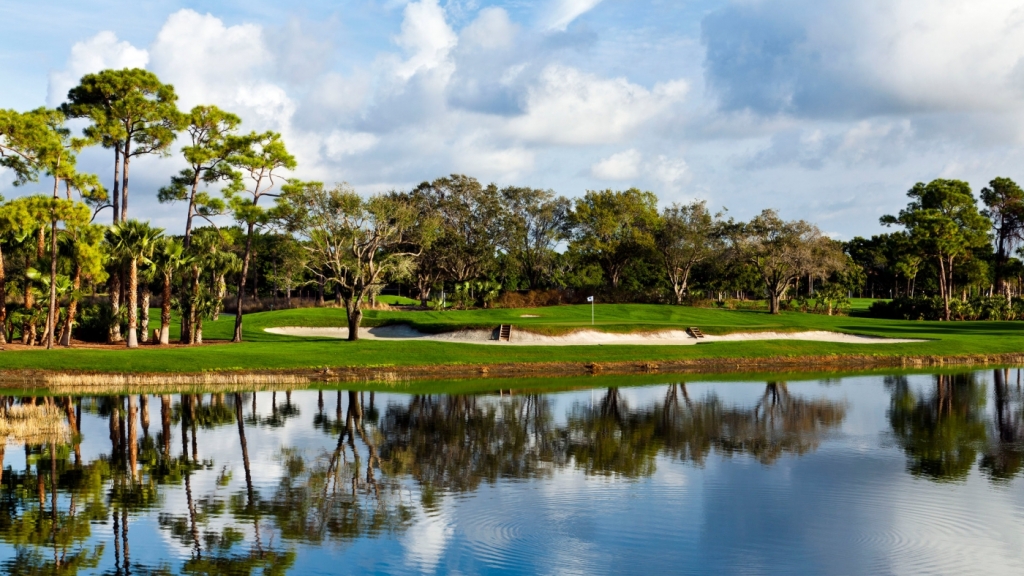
column 862, row 474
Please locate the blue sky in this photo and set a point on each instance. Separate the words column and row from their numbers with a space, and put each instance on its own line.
column 825, row 111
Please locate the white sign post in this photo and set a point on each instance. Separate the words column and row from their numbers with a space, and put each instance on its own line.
column 591, row 300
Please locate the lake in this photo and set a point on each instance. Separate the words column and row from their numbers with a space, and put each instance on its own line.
column 900, row 474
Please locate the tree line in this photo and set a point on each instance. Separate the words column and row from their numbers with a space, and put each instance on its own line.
column 449, row 242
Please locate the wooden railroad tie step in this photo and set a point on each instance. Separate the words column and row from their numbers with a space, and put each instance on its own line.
column 505, row 333
column 695, row 332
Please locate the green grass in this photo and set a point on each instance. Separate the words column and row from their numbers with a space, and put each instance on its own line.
column 397, row 300
column 268, row 351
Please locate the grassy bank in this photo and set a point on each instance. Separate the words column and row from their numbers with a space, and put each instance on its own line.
column 263, row 351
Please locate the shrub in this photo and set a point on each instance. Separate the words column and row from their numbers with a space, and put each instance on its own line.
column 93, row 320
column 532, row 299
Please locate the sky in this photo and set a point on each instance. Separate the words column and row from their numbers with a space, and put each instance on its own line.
column 825, row 111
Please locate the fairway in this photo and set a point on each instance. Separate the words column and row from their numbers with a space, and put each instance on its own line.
column 265, row 351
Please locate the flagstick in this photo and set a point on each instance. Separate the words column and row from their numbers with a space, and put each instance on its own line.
column 591, row 311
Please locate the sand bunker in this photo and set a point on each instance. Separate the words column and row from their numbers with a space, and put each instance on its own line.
column 579, row 338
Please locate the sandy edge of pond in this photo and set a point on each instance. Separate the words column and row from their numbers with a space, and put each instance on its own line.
column 577, row 338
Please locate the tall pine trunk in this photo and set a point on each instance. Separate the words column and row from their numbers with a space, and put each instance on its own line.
column 241, row 285
column 124, row 179
column 3, row 302
column 117, row 183
column 51, row 313
column 165, row 311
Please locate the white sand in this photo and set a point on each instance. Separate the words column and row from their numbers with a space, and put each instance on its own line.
column 579, row 338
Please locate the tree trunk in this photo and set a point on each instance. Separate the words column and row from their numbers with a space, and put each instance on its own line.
column 114, row 331
column 69, row 322
column 241, row 285
column 944, row 288
column 191, row 210
column 117, row 183
column 320, row 291
column 222, row 291
column 28, row 327
column 424, row 292
column 3, row 302
column 165, row 423
column 165, row 311
column 198, row 338
column 133, row 296
column 245, row 451
column 188, row 318
column 51, row 314
column 133, row 435
column 124, row 179
column 355, row 318
column 144, row 305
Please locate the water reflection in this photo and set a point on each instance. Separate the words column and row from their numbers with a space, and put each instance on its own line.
column 243, row 483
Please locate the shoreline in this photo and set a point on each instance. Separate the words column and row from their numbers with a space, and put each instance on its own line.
column 393, row 377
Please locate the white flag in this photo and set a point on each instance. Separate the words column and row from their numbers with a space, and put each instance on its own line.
column 590, row 298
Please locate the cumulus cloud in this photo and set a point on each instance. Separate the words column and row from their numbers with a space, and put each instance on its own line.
column 100, row 52
column 339, row 143
column 868, row 142
column 426, row 37
column 568, row 106
column 561, row 13
column 670, row 172
column 857, row 58
column 489, row 98
column 631, row 165
column 621, row 166
column 228, row 66
column 475, row 156
column 492, row 30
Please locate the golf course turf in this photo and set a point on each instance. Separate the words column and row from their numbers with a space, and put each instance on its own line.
column 948, row 341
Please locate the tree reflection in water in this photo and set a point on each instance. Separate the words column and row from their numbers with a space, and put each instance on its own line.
column 609, row 439
column 941, row 430
column 359, row 483
column 1004, row 453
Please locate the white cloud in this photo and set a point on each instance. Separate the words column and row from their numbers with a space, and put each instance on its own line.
column 561, row 13
column 670, row 172
column 475, row 156
column 210, row 63
column 100, row 52
column 426, row 37
column 630, row 164
column 427, row 539
column 492, row 30
column 622, row 166
column 342, row 143
column 567, row 106
column 867, row 57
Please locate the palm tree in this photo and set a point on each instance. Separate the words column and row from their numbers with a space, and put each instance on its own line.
column 147, row 275
column 168, row 256
column 133, row 241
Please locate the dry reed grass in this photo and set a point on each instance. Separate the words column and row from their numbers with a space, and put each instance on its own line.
column 34, row 425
